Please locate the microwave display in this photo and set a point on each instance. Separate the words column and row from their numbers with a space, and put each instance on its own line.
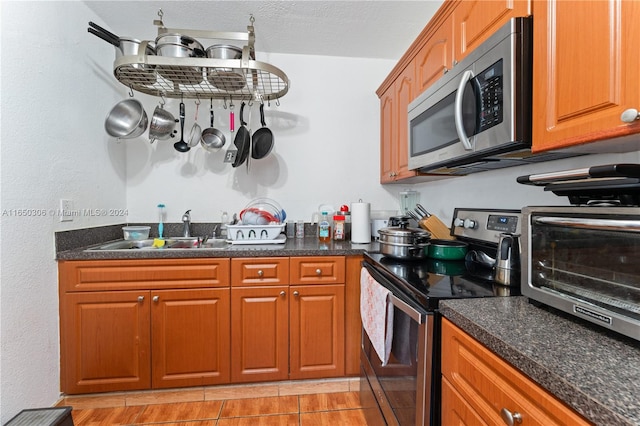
column 591, row 259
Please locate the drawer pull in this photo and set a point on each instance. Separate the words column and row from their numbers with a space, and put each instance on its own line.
column 295, row 293
column 318, row 272
column 140, row 299
column 283, row 293
column 260, row 273
column 510, row 418
column 156, row 298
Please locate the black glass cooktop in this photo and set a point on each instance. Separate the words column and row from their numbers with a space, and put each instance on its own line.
column 427, row 281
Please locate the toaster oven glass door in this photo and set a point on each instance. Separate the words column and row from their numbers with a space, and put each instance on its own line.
column 592, row 259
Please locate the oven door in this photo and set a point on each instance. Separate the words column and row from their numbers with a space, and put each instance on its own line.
column 584, row 260
column 400, row 392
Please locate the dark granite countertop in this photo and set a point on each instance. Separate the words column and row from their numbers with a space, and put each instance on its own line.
column 593, row 370
column 74, row 245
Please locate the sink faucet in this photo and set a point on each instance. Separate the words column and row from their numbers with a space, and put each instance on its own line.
column 186, row 221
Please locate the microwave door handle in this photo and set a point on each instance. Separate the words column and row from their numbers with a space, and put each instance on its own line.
column 462, row 135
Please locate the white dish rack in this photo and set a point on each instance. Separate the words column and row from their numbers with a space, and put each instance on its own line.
column 261, row 234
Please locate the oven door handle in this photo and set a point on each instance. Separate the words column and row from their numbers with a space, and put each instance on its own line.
column 583, row 223
column 415, row 315
column 462, row 135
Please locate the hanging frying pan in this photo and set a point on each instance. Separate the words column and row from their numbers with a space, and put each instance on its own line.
column 262, row 140
column 242, row 140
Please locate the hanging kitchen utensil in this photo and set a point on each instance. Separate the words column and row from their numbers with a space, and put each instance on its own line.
column 212, row 139
column 231, row 154
column 162, row 124
column 196, row 131
column 181, row 145
column 434, row 225
column 242, row 140
column 127, row 119
column 262, row 140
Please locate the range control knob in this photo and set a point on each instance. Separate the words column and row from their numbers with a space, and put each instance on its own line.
column 470, row 224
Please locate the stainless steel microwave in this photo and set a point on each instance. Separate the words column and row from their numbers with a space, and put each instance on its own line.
column 477, row 117
column 584, row 261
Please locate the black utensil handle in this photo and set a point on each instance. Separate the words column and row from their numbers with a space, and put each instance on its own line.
column 105, row 32
column 241, row 115
column 182, row 117
column 262, row 115
column 212, row 118
column 104, row 37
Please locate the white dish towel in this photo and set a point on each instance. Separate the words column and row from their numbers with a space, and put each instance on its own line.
column 376, row 311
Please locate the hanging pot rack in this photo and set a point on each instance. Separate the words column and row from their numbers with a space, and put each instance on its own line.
column 262, row 81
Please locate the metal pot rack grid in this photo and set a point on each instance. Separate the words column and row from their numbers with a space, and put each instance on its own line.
column 202, row 78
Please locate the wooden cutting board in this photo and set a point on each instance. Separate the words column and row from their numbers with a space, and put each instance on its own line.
column 436, row 227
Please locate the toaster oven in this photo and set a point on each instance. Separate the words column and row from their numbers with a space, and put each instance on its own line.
column 585, row 260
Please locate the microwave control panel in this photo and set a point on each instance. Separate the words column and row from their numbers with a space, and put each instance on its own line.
column 485, row 224
column 489, row 83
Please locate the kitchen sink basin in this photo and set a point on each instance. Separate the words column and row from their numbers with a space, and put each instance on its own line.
column 169, row 243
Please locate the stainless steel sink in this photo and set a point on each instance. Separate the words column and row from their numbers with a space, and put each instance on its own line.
column 169, row 243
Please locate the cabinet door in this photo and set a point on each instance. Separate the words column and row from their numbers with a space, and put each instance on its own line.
column 387, row 139
column 191, row 337
column 259, row 334
column 477, row 20
column 317, row 331
column 585, row 71
column 455, row 410
column 435, row 58
column 488, row 385
column 105, row 341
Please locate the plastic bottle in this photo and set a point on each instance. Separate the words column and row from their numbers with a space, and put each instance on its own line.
column 339, row 228
column 223, row 225
column 324, row 228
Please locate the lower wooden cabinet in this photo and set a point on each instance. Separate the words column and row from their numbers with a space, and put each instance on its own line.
column 288, row 332
column 165, row 323
column 479, row 388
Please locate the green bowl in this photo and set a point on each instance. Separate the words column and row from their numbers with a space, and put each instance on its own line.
column 446, row 249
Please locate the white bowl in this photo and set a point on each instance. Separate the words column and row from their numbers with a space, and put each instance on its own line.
column 136, row 233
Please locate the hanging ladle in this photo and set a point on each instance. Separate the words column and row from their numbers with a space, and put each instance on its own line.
column 181, row 145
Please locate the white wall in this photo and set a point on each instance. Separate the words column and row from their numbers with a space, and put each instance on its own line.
column 326, row 133
column 55, row 93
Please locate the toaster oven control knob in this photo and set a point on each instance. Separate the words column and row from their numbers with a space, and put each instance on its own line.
column 458, row 222
column 630, row 115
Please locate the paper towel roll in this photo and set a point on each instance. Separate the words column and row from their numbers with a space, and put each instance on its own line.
column 360, row 223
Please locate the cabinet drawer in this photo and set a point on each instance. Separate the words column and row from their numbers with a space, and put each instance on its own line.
column 488, row 384
column 260, row 271
column 93, row 275
column 318, row 270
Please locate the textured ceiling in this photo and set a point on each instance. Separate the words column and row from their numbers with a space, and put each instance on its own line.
column 364, row 29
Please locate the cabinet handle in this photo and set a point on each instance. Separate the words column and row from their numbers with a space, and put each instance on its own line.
column 283, row 293
column 510, row 418
column 140, row 299
column 454, row 63
column 296, row 294
column 630, row 115
column 445, row 70
column 318, row 272
column 156, row 298
column 260, row 273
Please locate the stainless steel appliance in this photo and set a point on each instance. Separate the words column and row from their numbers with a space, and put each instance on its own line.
column 406, row 391
column 477, row 117
column 584, row 259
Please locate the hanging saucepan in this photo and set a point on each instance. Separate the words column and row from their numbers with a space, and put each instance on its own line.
column 403, row 242
column 212, row 139
column 447, row 249
column 262, row 140
column 126, row 46
column 242, row 140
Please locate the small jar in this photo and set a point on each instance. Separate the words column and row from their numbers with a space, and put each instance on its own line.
column 339, row 228
column 344, row 211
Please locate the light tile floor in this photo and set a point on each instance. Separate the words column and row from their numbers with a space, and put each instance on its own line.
column 301, row 403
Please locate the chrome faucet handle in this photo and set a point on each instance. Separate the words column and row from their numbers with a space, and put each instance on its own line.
column 186, row 217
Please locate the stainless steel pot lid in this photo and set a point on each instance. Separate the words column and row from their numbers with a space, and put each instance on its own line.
column 404, row 231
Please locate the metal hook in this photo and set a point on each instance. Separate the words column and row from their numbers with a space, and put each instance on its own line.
column 131, row 91
column 197, row 99
column 278, row 102
column 251, row 18
column 224, row 103
column 160, row 13
column 231, row 104
column 162, row 101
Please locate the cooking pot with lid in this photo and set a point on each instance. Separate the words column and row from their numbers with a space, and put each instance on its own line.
column 402, row 242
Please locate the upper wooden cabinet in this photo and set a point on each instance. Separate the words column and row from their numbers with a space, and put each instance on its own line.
column 585, row 73
column 457, row 28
